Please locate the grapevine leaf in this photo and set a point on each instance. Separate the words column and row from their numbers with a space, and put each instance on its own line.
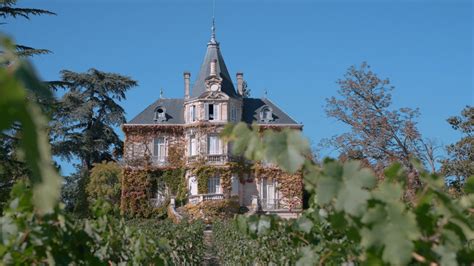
column 286, row 148
column 326, row 190
column 307, row 257
column 304, row 224
column 448, row 256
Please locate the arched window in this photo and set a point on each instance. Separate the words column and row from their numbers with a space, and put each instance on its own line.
column 160, row 114
column 266, row 114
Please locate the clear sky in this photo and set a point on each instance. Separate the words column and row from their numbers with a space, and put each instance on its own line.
column 294, row 49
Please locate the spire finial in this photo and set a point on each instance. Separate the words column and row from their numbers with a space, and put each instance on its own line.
column 161, row 93
column 265, row 93
column 213, row 27
column 213, row 31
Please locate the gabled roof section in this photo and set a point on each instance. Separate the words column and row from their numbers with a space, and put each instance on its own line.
column 253, row 107
column 173, row 111
column 213, row 53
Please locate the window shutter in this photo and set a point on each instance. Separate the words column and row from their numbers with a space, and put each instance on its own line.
column 217, row 112
column 206, row 111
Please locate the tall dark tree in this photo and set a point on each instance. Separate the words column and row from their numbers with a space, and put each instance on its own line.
column 83, row 124
column 378, row 133
column 460, row 161
column 87, row 114
column 12, row 166
column 8, row 9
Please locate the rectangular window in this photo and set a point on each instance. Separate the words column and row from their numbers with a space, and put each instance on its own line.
column 214, row 185
column 211, row 111
column 233, row 114
column 235, row 185
column 192, row 113
column 192, row 146
column 159, row 149
column 213, row 145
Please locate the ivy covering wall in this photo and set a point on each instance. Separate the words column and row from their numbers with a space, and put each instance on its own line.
column 139, row 186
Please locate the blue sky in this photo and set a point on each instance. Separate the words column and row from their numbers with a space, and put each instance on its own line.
column 294, row 49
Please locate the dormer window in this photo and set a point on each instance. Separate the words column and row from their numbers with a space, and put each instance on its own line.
column 160, row 114
column 266, row 114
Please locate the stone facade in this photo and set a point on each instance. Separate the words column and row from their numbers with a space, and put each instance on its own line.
column 184, row 133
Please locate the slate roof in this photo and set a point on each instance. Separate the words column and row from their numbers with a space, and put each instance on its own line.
column 253, row 106
column 213, row 52
column 174, row 112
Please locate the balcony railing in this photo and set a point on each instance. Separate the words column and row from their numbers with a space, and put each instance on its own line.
column 267, row 204
column 159, row 161
column 211, row 158
column 217, row 158
column 194, row 199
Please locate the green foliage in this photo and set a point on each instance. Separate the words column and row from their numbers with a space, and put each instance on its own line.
column 83, row 124
column 88, row 111
column 28, row 238
column 353, row 219
column 286, row 148
column 460, row 159
column 140, row 186
column 203, row 173
column 174, row 180
column 16, row 109
column 8, row 9
column 209, row 211
column 236, row 247
column 104, row 183
column 35, row 230
column 185, row 240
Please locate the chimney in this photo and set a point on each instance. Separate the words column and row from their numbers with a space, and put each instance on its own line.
column 213, row 68
column 240, row 83
column 187, row 76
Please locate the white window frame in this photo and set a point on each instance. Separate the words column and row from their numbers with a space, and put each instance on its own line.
column 268, row 191
column 216, row 114
column 193, row 145
column 214, row 146
column 159, row 149
column 192, row 113
column 214, row 185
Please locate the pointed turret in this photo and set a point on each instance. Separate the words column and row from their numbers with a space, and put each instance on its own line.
column 213, row 53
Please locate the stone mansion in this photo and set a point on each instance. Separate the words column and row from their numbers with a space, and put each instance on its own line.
column 192, row 125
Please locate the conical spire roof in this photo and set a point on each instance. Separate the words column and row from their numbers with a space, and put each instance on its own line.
column 213, row 53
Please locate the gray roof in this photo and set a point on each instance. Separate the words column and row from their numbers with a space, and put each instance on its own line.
column 174, row 112
column 213, row 52
column 253, row 106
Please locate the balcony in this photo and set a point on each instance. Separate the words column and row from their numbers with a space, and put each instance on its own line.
column 270, row 204
column 159, row 161
column 195, row 199
column 213, row 159
column 217, row 159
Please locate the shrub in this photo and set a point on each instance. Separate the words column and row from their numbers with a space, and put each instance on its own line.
column 104, row 183
column 209, row 211
column 184, row 239
column 238, row 248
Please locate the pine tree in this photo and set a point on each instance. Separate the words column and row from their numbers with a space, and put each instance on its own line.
column 8, row 9
column 83, row 124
